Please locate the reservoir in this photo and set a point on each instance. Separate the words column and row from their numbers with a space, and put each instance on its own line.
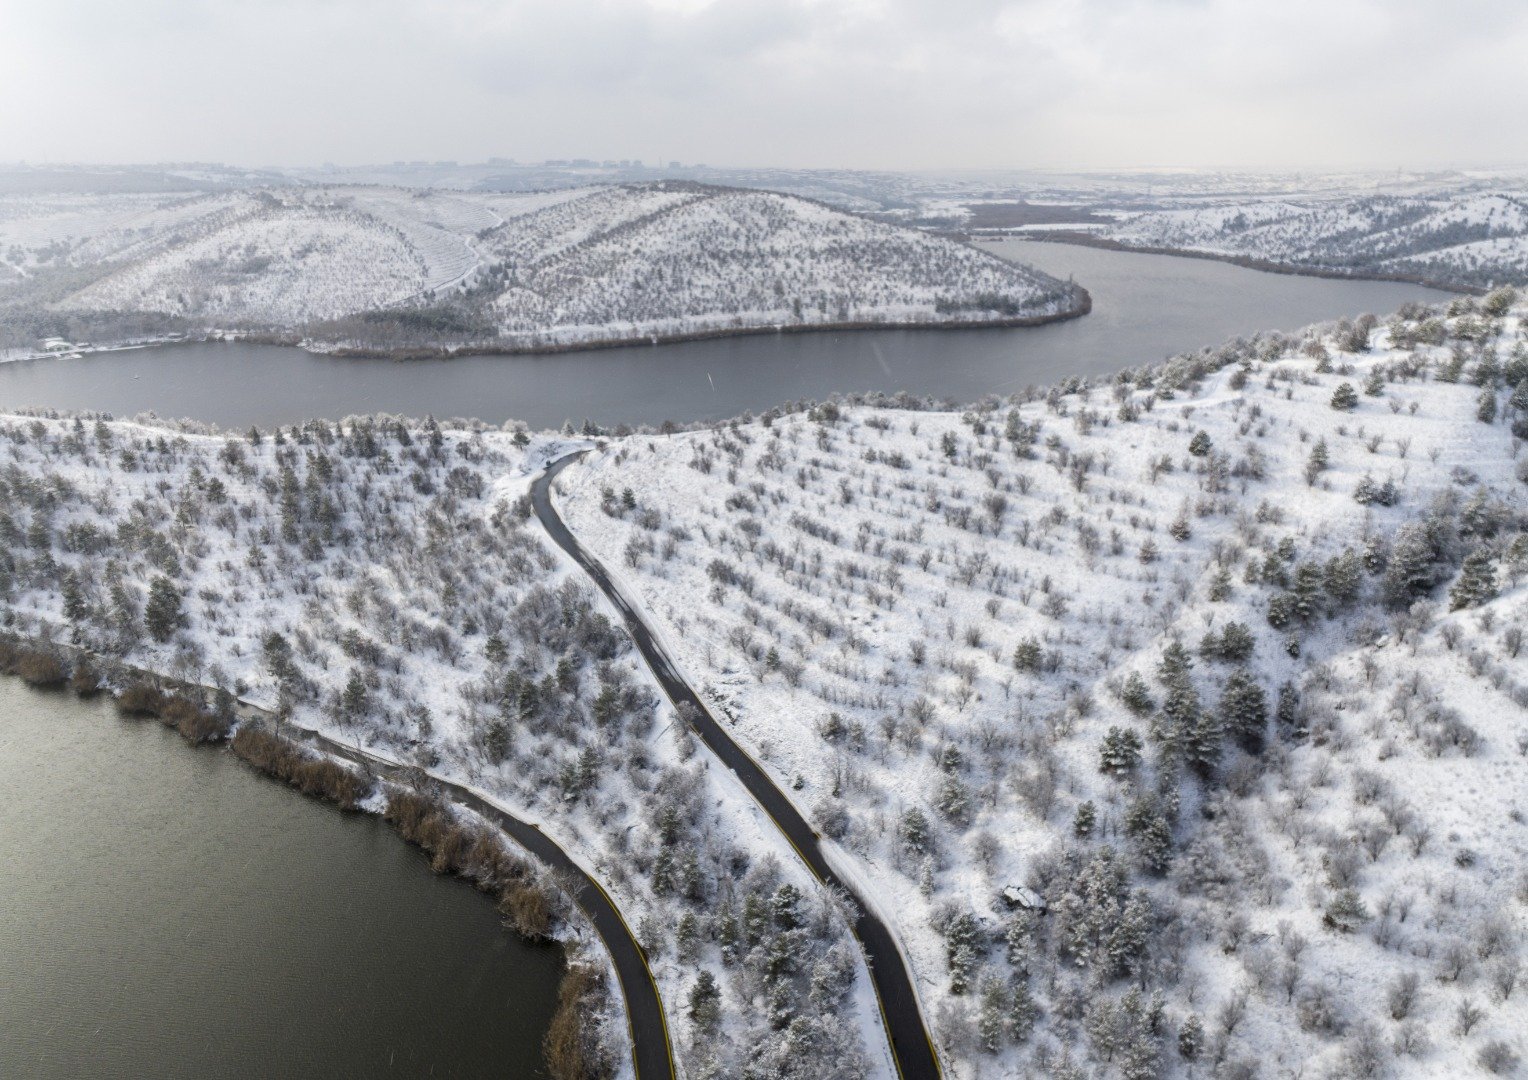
column 166, row 912
column 1145, row 308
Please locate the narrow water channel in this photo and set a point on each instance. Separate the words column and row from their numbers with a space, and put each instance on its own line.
column 165, row 912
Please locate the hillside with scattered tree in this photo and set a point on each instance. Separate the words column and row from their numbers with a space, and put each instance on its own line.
column 379, row 269
column 1220, row 662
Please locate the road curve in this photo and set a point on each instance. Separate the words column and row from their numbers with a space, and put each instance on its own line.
column 652, row 1055
column 912, row 1049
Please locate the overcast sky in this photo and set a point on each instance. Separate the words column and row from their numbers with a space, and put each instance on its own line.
column 902, row 84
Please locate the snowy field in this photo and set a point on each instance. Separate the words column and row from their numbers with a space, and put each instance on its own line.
column 1230, row 676
column 384, row 266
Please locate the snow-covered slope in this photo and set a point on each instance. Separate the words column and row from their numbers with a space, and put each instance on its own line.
column 1478, row 239
column 514, row 271
column 380, row 578
column 1191, row 655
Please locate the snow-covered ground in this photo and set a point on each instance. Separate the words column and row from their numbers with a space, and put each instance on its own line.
column 1474, row 238
column 381, row 580
column 929, row 624
column 520, row 271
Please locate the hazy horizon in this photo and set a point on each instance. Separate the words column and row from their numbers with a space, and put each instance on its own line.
column 976, row 85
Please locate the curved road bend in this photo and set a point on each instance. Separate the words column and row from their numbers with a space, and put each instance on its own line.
column 911, row 1047
column 650, row 1049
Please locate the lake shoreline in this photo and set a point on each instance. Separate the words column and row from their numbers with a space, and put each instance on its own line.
column 182, row 707
column 1081, row 239
column 293, row 339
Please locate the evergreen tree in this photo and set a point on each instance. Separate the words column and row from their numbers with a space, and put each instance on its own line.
column 1175, row 663
column 962, row 942
column 1244, row 710
column 1199, row 445
column 1477, row 581
column 1201, row 742
column 1121, row 751
column 1023, row 1013
column 1374, row 385
column 785, row 907
column 1087, row 817
column 1345, row 398
column 1318, row 461
column 1135, row 696
column 162, row 616
column 1126, row 945
column 1027, row 655
column 1191, row 1039
column 1019, row 939
column 992, row 1020
column 1150, row 833
column 913, row 831
column 1485, row 406
column 353, row 701
column 1343, row 578
column 1306, row 591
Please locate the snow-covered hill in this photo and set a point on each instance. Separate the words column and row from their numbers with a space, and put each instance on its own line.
column 1223, row 659
column 379, row 266
column 1478, row 239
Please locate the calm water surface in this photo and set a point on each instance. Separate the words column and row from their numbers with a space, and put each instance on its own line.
column 1145, row 307
column 164, row 912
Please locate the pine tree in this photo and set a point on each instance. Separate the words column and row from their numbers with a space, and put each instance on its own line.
column 1345, row 398
column 1345, row 912
column 1199, row 445
column 1126, row 944
column 687, row 940
column 913, row 831
column 1019, row 939
column 1343, row 578
column 1150, row 833
column 1175, row 663
column 353, row 701
column 1485, row 406
column 1135, row 696
column 1317, row 464
column 953, row 801
column 1087, row 817
column 161, row 616
column 1201, row 743
column 785, row 907
column 1191, row 1038
column 992, row 1021
column 1220, row 585
column 962, row 941
column 1027, row 655
column 1022, row 1012
column 1121, row 751
column 1374, row 385
column 1306, row 591
column 1477, row 581
column 1244, row 710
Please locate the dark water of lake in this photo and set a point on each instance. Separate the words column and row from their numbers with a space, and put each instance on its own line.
column 1145, row 308
column 165, row 912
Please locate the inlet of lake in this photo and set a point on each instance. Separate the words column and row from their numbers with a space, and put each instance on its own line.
column 1145, row 308
column 165, row 912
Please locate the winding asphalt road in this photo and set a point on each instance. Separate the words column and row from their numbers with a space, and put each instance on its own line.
column 911, row 1047
column 651, row 1052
